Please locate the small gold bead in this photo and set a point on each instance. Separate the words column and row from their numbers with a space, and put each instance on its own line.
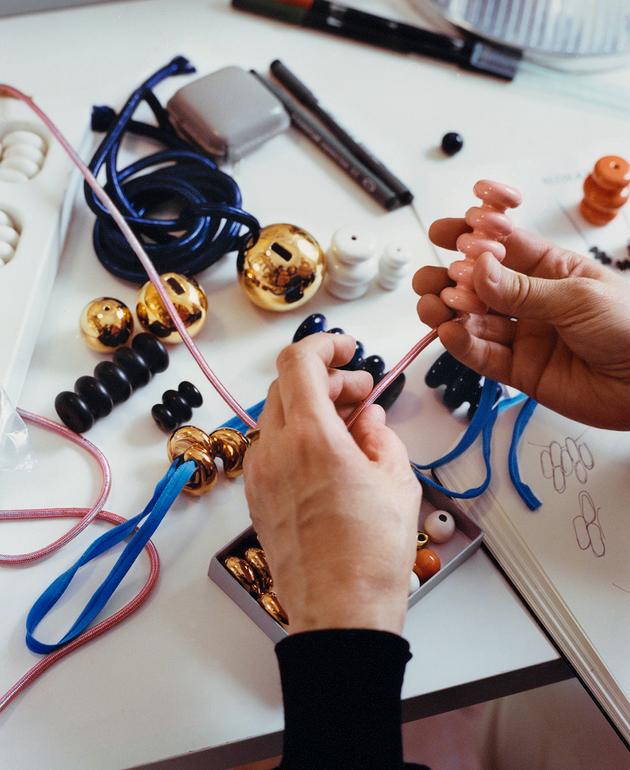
column 422, row 540
column 106, row 324
column 244, row 573
column 189, row 299
column 269, row 602
column 282, row 269
column 258, row 560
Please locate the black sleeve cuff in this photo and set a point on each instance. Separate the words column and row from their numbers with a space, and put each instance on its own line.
column 341, row 691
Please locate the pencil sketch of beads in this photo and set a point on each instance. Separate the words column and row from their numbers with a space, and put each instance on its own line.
column 587, row 527
column 558, row 461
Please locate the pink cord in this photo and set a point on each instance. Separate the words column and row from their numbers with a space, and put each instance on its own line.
column 134, row 243
column 90, row 513
column 392, row 374
column 100, row 628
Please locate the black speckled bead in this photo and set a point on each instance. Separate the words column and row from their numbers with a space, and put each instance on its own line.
column 74, row 412
column 311, row 325
column 190, row 393
column 152, row 351
column 452, row 143
column 375, row 366
column 164, row 418
column 115, row 381
column 134, row 366
column 95, row 396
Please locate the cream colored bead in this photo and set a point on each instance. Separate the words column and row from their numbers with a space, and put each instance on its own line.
column 24, row 151
column 8, row 235
column 12, row 175
column 5, row 219
column 351, row 261
column 6, row 252
column 393, row 266
column 23, row 137
column 25, row 166
column 414, row 583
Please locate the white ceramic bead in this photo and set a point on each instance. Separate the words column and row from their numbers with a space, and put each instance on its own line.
column 6, row 252
column 393, row 265
column 5, row 219
column 351, row 263
column 414, row 583
column 23, row 137
column 24, row 165
column 439, row 526
column 24, row 151
column 12, row 175
column 8, row 235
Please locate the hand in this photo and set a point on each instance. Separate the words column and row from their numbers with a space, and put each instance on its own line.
column 559, row 328
column 336, row 512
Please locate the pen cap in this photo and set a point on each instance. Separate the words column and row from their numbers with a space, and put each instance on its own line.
column 227, row 113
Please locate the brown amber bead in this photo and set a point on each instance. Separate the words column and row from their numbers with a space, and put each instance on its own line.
column 606, row 190
column 427, row 564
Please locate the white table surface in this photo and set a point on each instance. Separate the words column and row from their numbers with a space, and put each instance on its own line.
column 190, row 673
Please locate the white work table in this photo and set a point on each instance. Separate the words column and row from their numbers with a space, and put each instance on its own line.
column 189, row 675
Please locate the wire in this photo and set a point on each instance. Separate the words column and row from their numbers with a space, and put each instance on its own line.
column 208, row 200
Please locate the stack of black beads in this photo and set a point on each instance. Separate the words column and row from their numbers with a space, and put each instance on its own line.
column 373, row 364
column 462, row 383
column 176, row 407
column 113, row 382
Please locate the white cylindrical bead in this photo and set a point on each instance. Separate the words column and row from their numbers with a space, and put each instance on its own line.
column 351, row 263
column 393, row 266
column 23, row 137
column 24, row 165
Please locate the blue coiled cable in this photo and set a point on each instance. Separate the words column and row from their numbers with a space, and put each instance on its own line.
column 208, row 219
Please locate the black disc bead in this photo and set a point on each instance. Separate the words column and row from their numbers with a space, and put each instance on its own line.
column 190, row 394
column 375, row 366
column 390, row 395
column 443, row 371
column 452, row 143
column 152, row 351
column 74, row 412
column 95, row 395
column 356, row 362
column 134, row 366
column 178, row 407
column 311, row 325
column 164, row 418
column 115, row 381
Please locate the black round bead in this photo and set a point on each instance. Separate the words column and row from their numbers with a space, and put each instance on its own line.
column 452, row 143
column 312, row 325
column 443, row 371
column 190, row 394
column 74, row 412
column 95, row 395
column 152, row 350
column 375, row 366
column 134, row 366
column 390, row 395
column 164, row 419
column 177, row 405
column 356, row 362
column 336, row 330
column 115, row 381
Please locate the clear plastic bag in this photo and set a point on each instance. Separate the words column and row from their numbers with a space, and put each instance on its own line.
column 15, row 444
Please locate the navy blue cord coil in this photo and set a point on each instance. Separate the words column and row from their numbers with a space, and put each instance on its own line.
column 203, row 202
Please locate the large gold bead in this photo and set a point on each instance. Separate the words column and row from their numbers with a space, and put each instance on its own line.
column 269, row 602
column 192, row 443
column 282, row 269
column 189, row 299
column 230, row 446
column 106, row 324
column 257, row 558
column 244, row 573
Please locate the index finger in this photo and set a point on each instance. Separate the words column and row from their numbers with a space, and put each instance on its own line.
column 303, row 375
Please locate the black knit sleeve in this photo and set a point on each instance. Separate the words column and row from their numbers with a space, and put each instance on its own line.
column 341, row 691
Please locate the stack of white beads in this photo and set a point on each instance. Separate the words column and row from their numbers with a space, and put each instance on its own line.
column 22, row 154
column 9, row 236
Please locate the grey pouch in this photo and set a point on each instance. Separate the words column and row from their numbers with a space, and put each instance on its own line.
column 227, row 113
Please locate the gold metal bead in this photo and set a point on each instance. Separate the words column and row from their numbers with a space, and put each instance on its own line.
column 282, row 269
column 189, row 299
column 192, row 443
column 422, row 540
column 243, row 572
column 230, row 446
column 258, row 560
column 252, row 435
column 106, row 324
column 269, row 602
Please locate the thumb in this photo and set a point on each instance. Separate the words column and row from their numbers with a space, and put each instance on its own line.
column 377, row 441
column 519, row 295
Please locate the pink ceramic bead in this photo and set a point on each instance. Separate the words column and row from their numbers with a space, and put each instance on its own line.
column 488, row 223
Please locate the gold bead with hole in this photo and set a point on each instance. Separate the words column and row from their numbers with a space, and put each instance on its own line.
column 244, row 573
column 282, row 269
column 258, row 560
column 189, row 299
column 269, row 602
column 106, row 324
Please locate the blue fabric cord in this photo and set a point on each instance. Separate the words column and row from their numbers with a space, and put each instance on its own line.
column 164, row 494
column 483, row 423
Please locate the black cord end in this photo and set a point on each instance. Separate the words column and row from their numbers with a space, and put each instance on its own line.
column 103, row 118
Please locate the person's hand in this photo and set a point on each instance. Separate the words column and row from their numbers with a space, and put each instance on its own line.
column 559, row 329
column 335, row 511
